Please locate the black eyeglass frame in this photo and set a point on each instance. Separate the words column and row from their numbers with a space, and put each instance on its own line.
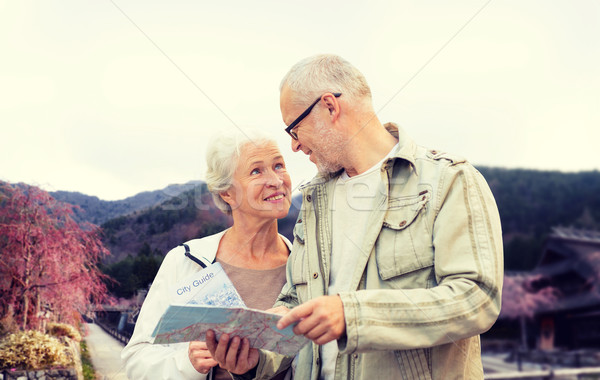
column 304, row 114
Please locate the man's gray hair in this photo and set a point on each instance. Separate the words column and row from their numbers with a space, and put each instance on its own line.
column 316, row 75
column 222, row 158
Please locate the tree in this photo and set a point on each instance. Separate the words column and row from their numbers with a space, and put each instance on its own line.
column 520, row 301
column 48, row 263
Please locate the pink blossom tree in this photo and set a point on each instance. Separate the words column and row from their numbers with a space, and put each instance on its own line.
column 520, row 301
column 48, row 263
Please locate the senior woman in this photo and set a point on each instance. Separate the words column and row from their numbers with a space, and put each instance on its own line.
column 248, row 180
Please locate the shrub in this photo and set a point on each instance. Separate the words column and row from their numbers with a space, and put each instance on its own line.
column 32, row 350
column 63, row 329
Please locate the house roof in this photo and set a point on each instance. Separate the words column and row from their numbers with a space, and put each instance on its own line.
column 570, row 264
column 572, row 234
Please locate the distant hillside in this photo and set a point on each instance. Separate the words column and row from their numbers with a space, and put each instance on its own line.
column 530, row 203
column 191, row 214
column 97, row 211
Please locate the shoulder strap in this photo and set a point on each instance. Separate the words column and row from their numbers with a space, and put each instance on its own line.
column 191, row 257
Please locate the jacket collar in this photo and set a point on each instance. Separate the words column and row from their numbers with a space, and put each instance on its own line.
column 406, row 151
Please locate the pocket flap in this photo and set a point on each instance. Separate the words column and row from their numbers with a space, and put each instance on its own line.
column 403, row 211
column 296, row 260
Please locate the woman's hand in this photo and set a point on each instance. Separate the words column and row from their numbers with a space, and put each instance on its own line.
column 200, row 357
column 281, row 310
column 234, row 355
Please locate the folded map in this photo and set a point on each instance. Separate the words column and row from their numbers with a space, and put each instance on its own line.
column 184, row 323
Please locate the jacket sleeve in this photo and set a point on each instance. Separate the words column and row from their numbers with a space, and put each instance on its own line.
column 142, row 359
column 463, row 301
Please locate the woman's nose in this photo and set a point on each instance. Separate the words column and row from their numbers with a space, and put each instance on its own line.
column 273, row 179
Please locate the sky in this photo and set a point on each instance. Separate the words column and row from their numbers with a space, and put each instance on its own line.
column 112, row 98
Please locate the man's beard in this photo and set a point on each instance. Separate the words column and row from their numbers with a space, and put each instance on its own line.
column 332, row 142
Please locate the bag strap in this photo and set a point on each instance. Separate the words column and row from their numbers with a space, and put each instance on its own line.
column 191, row 257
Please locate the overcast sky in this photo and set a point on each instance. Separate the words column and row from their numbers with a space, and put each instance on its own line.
column 111, row 98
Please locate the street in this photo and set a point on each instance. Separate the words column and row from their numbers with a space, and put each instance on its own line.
column 105, row 352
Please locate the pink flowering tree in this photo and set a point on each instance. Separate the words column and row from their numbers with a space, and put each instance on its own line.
column 48, row 263
column 520, row 301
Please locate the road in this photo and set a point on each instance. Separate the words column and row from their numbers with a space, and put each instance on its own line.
column 105, row 352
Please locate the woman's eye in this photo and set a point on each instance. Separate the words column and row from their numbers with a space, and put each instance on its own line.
column 255, row 171
column 279, row 166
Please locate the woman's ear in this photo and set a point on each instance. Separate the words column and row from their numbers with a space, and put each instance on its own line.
column 227, row 197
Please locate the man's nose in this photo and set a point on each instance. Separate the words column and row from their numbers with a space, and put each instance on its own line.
column 295, row 145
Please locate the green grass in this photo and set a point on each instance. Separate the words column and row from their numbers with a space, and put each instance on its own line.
column 88, row 369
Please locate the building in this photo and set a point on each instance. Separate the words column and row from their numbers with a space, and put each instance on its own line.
column 570, row 264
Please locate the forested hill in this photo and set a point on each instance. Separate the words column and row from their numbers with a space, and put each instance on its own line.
column 94, row 210
column 189, row 215
column 531, row 202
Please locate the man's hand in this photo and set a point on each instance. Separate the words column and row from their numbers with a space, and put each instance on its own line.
column 200, row 357
column 228, row 353
column 320, row 319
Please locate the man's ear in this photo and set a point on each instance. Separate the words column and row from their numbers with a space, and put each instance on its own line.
column 333, row 105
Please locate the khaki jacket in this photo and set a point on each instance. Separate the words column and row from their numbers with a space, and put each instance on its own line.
column 429, row 281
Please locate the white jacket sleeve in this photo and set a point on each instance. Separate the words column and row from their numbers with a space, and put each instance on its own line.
column 144, row 360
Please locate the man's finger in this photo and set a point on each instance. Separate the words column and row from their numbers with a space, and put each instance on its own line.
column 312, row 331
column 297, row 313
column 306, row 325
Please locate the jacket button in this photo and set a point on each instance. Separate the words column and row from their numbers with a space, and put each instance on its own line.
column 318, row 361
column 403, row 223
column 308, row 198
column 315, row 275
column 354, row 356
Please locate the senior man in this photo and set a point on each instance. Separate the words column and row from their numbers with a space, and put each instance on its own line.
column 396, row 266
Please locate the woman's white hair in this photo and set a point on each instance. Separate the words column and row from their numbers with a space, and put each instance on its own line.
column 316, row 75
column 222, row 158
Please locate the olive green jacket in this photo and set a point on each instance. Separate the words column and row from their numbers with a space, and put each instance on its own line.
column 429, row 281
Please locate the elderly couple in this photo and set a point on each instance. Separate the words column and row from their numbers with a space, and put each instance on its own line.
column 396, row 264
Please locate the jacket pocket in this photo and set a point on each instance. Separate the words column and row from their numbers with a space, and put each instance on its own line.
column 404, row 244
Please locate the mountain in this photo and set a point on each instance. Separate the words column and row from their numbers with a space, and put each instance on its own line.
column 94, row 210
column 189, row 215
column 530, row 202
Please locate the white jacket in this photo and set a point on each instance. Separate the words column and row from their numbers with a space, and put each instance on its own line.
column 142, row 359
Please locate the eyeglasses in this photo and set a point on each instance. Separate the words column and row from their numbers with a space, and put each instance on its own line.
column 290, row 128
